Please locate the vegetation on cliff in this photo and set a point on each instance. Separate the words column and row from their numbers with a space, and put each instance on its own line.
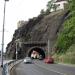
column 65, row 44
column 67, row 37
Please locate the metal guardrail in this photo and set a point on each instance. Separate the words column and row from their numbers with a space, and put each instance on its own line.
column 8, row 67
column 5, row 70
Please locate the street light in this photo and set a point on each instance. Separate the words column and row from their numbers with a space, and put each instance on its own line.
column 3, row 33
column 48, row 47
column 17, row 41
column 16, row 49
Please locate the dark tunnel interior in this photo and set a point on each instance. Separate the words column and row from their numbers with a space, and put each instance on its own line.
column 39, row 50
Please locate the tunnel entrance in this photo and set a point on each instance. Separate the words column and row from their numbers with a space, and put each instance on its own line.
column 37, row 51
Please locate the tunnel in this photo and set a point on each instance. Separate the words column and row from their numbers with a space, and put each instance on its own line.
column 37, row 49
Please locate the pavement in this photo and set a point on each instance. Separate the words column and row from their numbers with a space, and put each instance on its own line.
column 62, row 69
column 40, row 68
column 32, row 69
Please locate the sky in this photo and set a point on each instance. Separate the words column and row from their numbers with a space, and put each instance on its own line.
column 17, row 10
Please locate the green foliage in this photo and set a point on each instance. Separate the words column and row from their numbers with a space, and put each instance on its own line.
column 51, row 5
column 72, row 7
column 47, row 12
column 67, row 37
column 71, row 49
column 66, row 6
column 72, row 4
column 68, row 57
column 65, row 45
column 55, row 7
column 42, row 12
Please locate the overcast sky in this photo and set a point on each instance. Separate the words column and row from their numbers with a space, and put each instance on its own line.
column 17, row 10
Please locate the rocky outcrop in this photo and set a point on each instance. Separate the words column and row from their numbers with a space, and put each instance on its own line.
column 41, row 28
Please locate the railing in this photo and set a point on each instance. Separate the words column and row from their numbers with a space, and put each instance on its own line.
column 7, row 68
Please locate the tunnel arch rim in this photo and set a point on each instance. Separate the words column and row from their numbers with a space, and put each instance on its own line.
column 31, row 49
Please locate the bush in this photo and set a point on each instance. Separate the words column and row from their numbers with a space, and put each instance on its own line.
column 68, row 57
column 67, row 37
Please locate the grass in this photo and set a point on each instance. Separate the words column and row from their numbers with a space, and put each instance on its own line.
column 68, row 57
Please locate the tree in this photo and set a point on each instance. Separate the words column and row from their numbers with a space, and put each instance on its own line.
column 72, row 7
column 55, row 7
column 51, row 5
column 47, row 12
column 42, row 11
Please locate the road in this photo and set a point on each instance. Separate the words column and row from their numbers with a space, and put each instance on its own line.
column 32, row 69
column 40, row 68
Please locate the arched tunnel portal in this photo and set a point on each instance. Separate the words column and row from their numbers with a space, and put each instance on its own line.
column 41, row 51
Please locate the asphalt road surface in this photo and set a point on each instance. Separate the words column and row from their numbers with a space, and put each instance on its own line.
column 40, row 68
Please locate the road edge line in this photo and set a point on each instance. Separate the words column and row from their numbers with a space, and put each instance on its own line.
column 51, row 70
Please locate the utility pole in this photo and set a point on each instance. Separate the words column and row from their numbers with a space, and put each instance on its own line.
column 3, row 33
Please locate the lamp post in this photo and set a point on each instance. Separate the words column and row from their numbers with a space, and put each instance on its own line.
column 3, row 34
column 17, row 41
column 48, row 47
column 16, row 50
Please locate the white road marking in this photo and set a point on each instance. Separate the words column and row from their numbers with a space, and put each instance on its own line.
column 50, row 69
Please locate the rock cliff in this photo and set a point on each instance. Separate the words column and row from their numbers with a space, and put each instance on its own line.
column 41, row 28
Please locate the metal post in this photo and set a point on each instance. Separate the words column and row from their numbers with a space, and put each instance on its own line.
column 17, row 45
column 3, row 34
column 16, row 50
column 48, row 47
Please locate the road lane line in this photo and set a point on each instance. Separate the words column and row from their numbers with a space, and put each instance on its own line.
column 50, row 69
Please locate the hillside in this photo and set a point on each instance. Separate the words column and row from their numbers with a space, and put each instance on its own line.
column 41, row 28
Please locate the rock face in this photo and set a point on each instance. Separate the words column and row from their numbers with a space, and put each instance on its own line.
column 41, row 28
